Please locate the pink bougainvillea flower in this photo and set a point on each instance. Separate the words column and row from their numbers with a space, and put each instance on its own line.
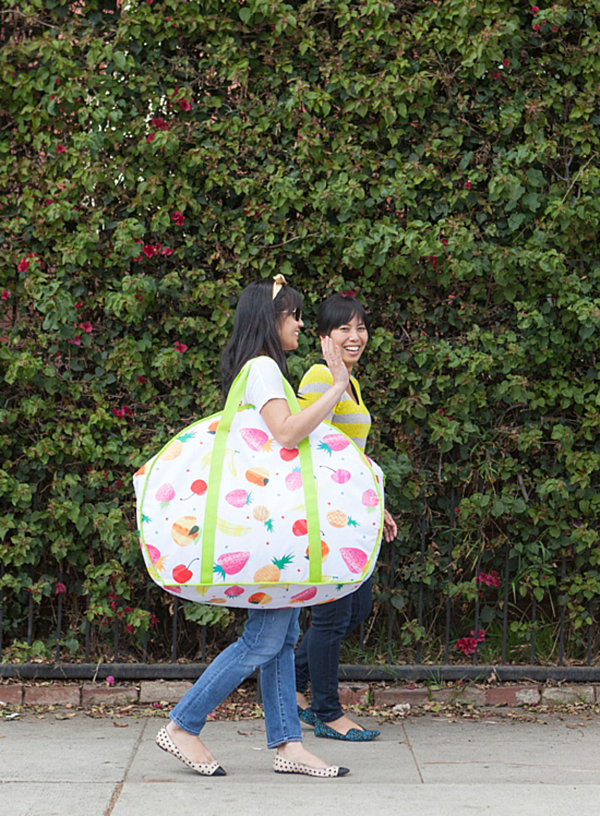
column 110, row 680
column 167, row 251
column 506, row 62
column 60, row 588
column 149, row 250
column 76, row 341
column 185, row 104
column 180, row 347
column 536, row 26
column 86, row 327
column 150, row 137
column 535, row 9
column 178, row 217
column 5, row 294
column 466, row 645
column 141, row 379
column 60, row 148
column 129, row 626
column 79, row 304
column 489, row 579
column 23, row 266
column 468, row 184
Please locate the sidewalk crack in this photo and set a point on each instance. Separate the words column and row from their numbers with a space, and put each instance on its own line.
column 119, row 787
column 410, row 748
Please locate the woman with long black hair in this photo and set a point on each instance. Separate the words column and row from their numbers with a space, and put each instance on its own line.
column 267, row 323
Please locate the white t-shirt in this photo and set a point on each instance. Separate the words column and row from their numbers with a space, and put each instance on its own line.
column 265, row 382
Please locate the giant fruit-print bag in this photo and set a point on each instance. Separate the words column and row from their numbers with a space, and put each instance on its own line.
column 228, row 516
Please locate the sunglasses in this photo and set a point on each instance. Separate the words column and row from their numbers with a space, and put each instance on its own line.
column 297, row 313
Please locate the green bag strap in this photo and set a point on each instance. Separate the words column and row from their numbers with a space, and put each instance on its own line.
column 234, row 398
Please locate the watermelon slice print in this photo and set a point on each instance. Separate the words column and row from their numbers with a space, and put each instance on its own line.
column 305, row 595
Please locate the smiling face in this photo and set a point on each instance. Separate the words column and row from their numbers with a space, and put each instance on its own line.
column 288, row 329
column 352, row 338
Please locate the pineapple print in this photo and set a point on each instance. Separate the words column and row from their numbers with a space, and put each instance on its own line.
column 261, row 513
column 339, row 519
column 176, row 446
column 272, row 572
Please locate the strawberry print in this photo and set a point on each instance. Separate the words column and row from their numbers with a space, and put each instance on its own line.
column 238, row 498
column 293, row 481
column 230, row 563
column 256, row 439
column 333, row 442
column 356, row 560
column 165, row 494
column 370, row 499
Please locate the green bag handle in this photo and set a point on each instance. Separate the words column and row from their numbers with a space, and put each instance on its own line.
column 234, row 398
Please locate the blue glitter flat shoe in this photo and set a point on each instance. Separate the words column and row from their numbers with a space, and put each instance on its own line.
column 353, row 735
column 308, row 716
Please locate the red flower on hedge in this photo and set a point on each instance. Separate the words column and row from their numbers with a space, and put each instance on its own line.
column 468, row 184
column 160, row 123
column 60, row 148
column 76, row 341
column 60, row 588
column 167, row 251
column 5, row 294
column 149, row 250
column 178, row 217
column 184, row 104
column 180, row 347
column 489, row 579
column 86, row 327
column 23, row 266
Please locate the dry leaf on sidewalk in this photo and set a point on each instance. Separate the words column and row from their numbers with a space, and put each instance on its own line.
column 120, row 725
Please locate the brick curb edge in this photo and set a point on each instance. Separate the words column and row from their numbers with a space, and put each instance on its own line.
column 87, row 695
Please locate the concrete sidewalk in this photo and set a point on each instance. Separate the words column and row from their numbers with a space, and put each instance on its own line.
column 419, row 765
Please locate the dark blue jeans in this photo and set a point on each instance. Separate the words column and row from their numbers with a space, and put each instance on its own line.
column 318, row 655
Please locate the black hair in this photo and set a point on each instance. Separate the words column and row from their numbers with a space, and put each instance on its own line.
column 255, row 328
column 338, row 310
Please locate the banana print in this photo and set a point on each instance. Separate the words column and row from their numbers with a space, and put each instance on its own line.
column 232, row 529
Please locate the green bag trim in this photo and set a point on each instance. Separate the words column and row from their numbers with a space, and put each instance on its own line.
column 234, row 398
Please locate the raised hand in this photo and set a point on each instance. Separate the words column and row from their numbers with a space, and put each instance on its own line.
column 333, row 358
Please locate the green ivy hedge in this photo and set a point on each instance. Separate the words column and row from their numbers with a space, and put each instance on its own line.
column 439, row 158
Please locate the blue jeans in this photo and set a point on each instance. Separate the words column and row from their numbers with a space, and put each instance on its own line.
column 318, row 656
column 268, row 641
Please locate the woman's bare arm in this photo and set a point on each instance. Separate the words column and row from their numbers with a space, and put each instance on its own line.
column 290, row 429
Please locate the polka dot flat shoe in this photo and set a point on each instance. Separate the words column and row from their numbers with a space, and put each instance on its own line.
column 164, row 741
column 283, row 765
